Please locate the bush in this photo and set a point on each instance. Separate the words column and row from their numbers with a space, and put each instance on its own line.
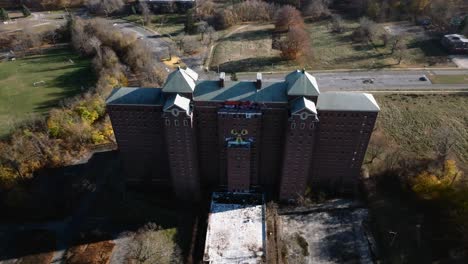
column 366, row 31
column 337, row 24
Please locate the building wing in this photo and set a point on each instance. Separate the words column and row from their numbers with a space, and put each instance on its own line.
column 347, row 101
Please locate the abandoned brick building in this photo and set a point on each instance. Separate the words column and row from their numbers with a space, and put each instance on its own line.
column 279, row 137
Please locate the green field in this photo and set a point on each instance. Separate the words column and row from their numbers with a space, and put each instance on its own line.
column 61, row 74
column 250, row 49
column 449, row 79
column 165, row 24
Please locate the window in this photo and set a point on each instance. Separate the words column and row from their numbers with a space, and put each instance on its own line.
column 176, row 123
column 293, row 125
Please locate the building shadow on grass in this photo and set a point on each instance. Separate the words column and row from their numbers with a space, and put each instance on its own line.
column 84, row 204
column 250, row 64
column 71, row 84
column 250, row 35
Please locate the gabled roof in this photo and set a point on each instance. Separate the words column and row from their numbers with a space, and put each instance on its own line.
column 347, row 101
column 135, row 96
column 302, row 103
column 302, row 83
column 180, row 81
column 178, row 101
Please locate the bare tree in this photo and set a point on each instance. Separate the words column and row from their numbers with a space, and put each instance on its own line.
column 105, row 7
column 337, row 24
column 288, row 17
column 151, row 245
column 296, row 44
column 317, row 9
column 145, row 12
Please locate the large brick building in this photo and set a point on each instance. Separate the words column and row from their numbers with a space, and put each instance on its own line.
column 278, row 137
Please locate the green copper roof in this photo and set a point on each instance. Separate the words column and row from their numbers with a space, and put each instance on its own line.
column 302, row 83
column 135, row 96
column 302, row 103
column 347, row 101
column 240, row 91
column 180, row 81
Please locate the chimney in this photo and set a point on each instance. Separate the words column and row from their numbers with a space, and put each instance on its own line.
column 222, row 75
column 258, row 84
column 303, row 70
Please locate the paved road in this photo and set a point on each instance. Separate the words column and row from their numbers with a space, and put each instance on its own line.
column 159, row 44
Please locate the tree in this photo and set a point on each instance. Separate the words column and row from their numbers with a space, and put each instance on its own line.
column 366, row 31
column 189, row 26
column 288, row 17
column 317, row 9
column 202, row 28
column 337, row 24
column 145, row 12
column 4, row 15
column 25, row 11
column 105, row 7
column 296, row 44
column 400, row 51
column 151, row 245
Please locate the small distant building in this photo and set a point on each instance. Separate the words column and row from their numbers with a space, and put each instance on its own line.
column 455, row 43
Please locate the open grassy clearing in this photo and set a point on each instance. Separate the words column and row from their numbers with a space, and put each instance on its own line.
column 165, row 24
column 249, row 49
column 412, row 122
column 58, row 74
column 449, row 79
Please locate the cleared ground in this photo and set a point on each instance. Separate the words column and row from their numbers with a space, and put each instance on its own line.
column 330, row 232
column 34, row 84
column 250, row 49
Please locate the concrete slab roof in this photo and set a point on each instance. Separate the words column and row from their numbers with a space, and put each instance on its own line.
column 240, row 91
column 236, row 232
column 135, row 96
column 347, row 101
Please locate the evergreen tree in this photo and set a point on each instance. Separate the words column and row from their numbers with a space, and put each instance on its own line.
column 190, row 26
column 4, row 15
column 25, row 11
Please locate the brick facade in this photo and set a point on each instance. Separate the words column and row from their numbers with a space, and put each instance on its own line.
column 241, row 136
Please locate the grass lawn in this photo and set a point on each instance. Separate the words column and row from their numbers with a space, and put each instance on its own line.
column 171, row 24
column 449, row 79
column 250, row 49
column 411, row 121
column 63, row 73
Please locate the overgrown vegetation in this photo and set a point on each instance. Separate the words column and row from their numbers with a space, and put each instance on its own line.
column 417, row 157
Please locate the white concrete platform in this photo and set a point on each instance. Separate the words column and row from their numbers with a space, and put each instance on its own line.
column 236, row 230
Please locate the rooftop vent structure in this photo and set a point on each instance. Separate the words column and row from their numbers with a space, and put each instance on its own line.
column 258, row 83
column 222, row 76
